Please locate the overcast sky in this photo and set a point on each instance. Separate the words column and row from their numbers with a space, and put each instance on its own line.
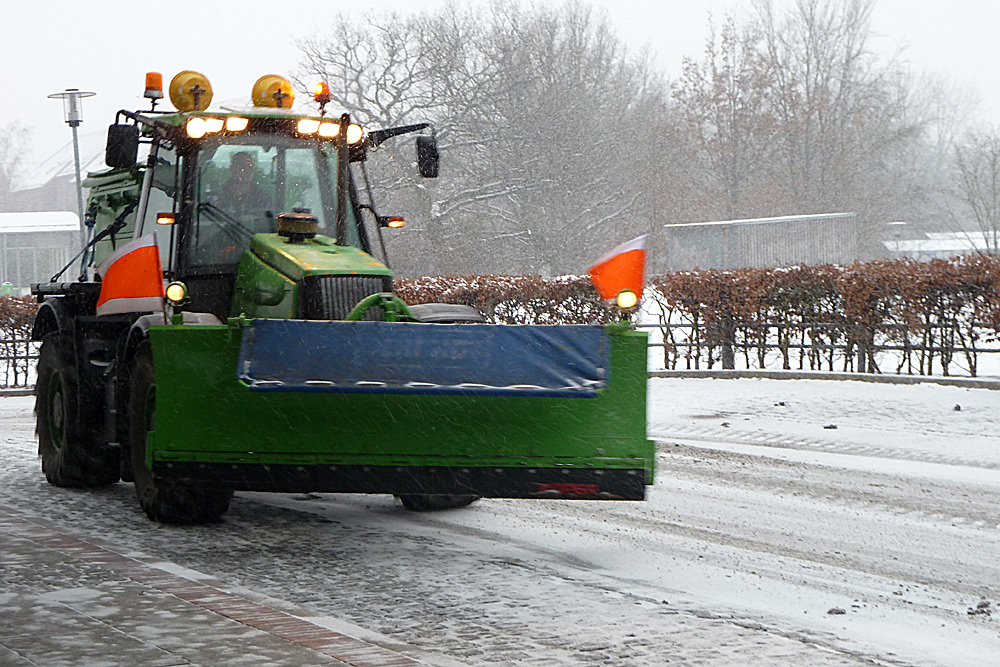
column 106, row 47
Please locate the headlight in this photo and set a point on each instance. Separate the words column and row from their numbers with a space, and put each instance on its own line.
column 627, row 299
column 391, row 221
column 329, row 129
column 176, row 293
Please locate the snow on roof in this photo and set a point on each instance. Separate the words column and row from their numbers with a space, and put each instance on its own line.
column 813, row 217
column 938, row 242
column 968, row 237
column 43, row 221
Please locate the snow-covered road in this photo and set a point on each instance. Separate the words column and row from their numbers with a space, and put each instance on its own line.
column 792, row 522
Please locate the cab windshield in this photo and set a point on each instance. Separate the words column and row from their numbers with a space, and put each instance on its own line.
column 243, row 184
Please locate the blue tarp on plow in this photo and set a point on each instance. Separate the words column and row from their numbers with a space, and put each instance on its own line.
column 384, row 357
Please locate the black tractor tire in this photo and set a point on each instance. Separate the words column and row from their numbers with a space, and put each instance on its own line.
column 161, row 501
column 422, row 502
column 72, row 455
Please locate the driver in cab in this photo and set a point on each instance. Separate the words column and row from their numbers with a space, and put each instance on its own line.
column 241, row 208
column 241, row 195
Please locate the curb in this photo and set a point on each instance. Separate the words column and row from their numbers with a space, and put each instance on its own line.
column 967, row 383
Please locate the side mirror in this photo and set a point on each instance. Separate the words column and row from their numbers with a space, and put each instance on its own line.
column 427, row 156
column 122, row 149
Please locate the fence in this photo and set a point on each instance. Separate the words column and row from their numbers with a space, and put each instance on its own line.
column 898, row 316
column 818, row 347
column 18, row 359
column 17, row 351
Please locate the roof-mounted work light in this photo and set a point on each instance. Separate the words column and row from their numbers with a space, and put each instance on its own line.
column 307, row 126
column 236, row 123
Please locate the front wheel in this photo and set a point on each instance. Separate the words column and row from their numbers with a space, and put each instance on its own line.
column 71, row 455
column 162, row 501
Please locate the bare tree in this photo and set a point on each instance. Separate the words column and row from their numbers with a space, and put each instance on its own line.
column 13, row 147
column 793, row 112
column 542, row 118
column 391, row 69
column 843, row 111
column 582, row 109
column 977, row 165
column 725, row 103
column 936, row 202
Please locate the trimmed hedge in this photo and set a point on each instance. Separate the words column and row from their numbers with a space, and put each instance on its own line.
column 856, row 317
column 896, row 316
column 515, row 299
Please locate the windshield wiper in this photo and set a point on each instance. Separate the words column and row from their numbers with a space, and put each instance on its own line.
column 232, row 227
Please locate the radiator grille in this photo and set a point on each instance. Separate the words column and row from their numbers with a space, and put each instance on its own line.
column 333, row 297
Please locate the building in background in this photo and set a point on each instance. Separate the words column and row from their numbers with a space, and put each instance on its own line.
column 35, row 245
column 761, row 243
column 39, row 226
column 51, row 185
column 938, row 245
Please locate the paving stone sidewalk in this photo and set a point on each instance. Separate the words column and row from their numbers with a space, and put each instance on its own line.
column 65, row 601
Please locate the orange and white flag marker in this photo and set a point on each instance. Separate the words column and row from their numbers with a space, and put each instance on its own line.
column 621, row 273
column 131, row 279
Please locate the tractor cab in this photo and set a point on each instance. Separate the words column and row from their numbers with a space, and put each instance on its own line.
column 240, row 185
column 215, row 180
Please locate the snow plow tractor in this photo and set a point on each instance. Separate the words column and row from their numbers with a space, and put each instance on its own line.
column 231, row 329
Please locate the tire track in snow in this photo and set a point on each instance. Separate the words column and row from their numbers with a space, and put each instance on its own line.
column 763, row 439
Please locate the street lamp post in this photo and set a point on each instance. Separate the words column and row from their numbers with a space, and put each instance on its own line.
column 72, row 110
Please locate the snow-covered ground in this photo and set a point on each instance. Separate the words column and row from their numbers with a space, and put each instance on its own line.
column 801, row 522
column 881, row 500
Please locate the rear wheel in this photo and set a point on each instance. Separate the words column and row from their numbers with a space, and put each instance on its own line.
column 71, row 454
column 162, row 501
column 422, row 502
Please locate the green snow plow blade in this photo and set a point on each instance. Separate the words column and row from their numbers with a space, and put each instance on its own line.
column 374, row 407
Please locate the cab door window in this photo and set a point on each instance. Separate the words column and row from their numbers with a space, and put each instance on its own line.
column 161, row 183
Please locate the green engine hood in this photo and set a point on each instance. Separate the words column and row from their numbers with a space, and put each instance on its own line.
column 314, row 257
column 270, row 273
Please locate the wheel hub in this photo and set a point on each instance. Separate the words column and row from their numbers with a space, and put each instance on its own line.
column 57, row 412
